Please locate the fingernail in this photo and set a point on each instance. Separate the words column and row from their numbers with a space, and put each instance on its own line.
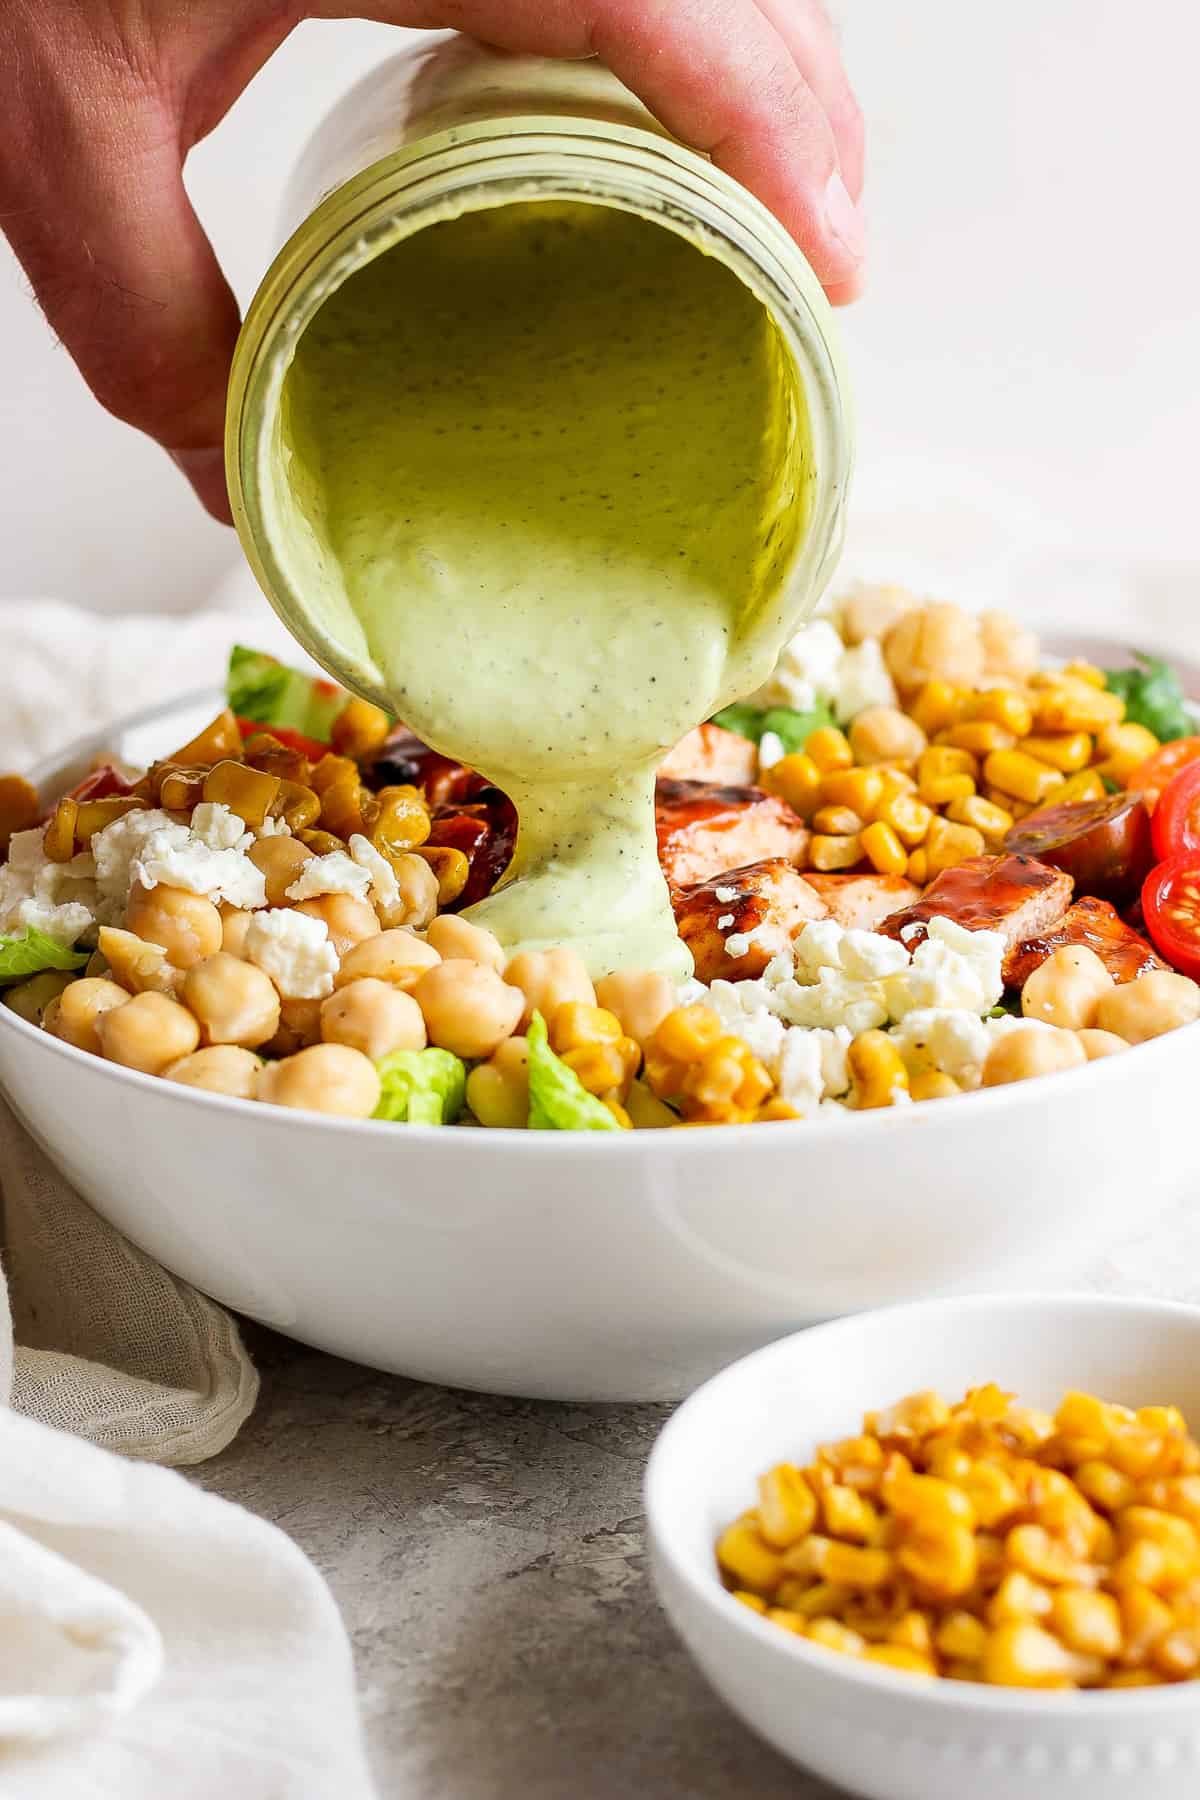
column 845, row 220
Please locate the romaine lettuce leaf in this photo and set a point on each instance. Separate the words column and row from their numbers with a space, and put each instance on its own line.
column 792, row 728
column 261, row 688
column 1153, row 697
column 30, row 951
column 558, row 1100
column 421, row 1087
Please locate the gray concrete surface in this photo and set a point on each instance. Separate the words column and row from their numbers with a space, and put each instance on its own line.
column 488, row 1560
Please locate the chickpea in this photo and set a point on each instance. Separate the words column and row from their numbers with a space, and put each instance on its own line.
column 348, row 919
column 546, row 978
column 234, row 1002
column 148, row 1033
column 418, row 889
column 234, row 925
column 75, row 1016
column 1020, row 1054
column 1100, row 1043
column 374, row 1017
column 136, row 965
column 281, row 860
column 398, row 956
column 220, row 1069
column 883, row 734
column 936, row 640
column 640, row 998
column 454, row 937
column 1156, row 1002
column 299, row 1026
column 187, row 926
column 872, row 611
column 498, row 1089
column 1067, row 988
column 1010, row 651
column 468, row 1009
column 30, row 999
column 325, row 1078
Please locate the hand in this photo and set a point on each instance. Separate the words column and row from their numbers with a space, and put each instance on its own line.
column 101, row 101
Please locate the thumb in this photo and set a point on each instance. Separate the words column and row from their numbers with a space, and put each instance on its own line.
column 127, row 277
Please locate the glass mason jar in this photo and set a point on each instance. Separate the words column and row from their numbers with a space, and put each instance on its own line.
column 449, row 127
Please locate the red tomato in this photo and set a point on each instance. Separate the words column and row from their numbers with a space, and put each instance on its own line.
column 294, row 740
column 101, row 784
column 1171, row 903
column 1176, row 822
column 1151, row 777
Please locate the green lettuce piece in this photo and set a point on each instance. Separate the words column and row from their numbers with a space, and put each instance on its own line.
column 261, row 688
column 1153, row 697
column 30, row 951
column 792, row 728
column 421, row 1087
column 558, row 1100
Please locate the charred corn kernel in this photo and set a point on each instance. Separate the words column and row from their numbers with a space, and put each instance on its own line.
column 359, row 728
column 836, row 821
column 1104, row 1486
column 908, row 817
column 912, row 1631
column 1085, row 1416
column 775, row 1112
column 1004, row 707
column 929, row 1503
column 220, row 737
column 1021, row 1654
column 860, row 790
column 830, row 749
column 1177, row 1655
column 941, row 760
column 58, row 839
column 918, row 868
column 789, row 1621
column 601, row 1068
column 980, row 736
column 787, row 1506
column 323, row 842
column 265, row 752
column 1068, row 751
column 946, row 788
column 797, row 780
column 883, row 849
column 1033, row 1551
column 20, row 808
column 1019, row 1596
column 686, row 1033
column 92, row 816
column 900, row 1656
column 832, row 1635
column 574, row 1023
column 332, row 768
column 250, row 793
column 1016, row 773
column 829, row 853
column 1135, row 1451
column 992, row 1492
column 618, row 1112
column 932, row 1084
column 341, row 807
column 402, row 821
column 853, row 1566
column 298, row 806
column 948, row 845
column 1126, row 752
column 916, row 1416
column 816, row 1601
column 1087, row 1621
column 755, row 1602
column 981, row 815
column 1176, row 1536
column 961, row 1635
column 877, row 1071
column 895, row 781
column 847, row 1515
column 943, row 1564
column 1086, row 671
column 452, row 868
column 178, row 789
column 1145, row 1620
column 747, row 1561
column 937, row 706
column 1074, row 705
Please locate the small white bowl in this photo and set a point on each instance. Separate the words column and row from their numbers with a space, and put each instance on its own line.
column 876, row 1732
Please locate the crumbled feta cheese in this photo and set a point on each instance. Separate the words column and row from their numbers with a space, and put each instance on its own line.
column 26, row 849
column 800, row 1077
column 57, row 898
column 862, row 680
column 867, row 956
column 833, row 999
column 336, row 873
column 835, row 1070
column 385, row 889
column 117, row 847
column 64, row 923
column 218, row 828
column 818, row 946
column 953, row 968
column 770, row 750
column 725, row 921
column 294, row 950
column 807, row 670
column 725, row 894
column 739, row 942
column 273, row 828
column 189, row 864
column 952, row 1040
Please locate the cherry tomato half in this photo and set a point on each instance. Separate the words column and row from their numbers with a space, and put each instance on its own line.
column 1104, row 845
column 1151, row 777
column 1171, row 902
column 1176, row 822
column 284, row 734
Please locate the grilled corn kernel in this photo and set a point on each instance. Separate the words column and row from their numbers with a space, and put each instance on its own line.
column 58, row 839
column 1104, row 1486
column 755, row 1602
column 942, row 759
column 1087, row 1621
column 982, row 815
column 747, row 1560
column 918, row 867
column 1021, row 1654
column 908, row 817
column 1075, row 705
column 602, row 1069
column 359, row 728
column 980, row 736
column 877, row 1070
column 330, row 769
column 298, row 806
column 20, row 808
column 247, row 792
column 895, row 781
column 1019, row 1596
column 1125, row 753
column 402, row 821
column 92, row 816
column 884, row 734
column 1080, row 670
column 932, row 1084
column 946, row 788
column 883, row 849
column 900, row 1656
column 1015, row 773
column 1004, row 707
column 961, row 1635
column 860, row 790
column 341, row 807
column 830, row 749
column 1068, row 751
column 847, row 1515
column 943, row 1563
column 948, row 845
column 787, row 1506
column 797, row 780
column 323, row 843
column 829, row 853
column 686, row 1033
column 836, row 821
column 451, row 866
column 832, row 1635
column 937, row 706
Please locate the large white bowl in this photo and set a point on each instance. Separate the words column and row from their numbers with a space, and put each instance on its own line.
column 876, row 1732
column 598, row 1267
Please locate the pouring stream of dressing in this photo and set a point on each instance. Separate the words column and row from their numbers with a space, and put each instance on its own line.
column 558, row 459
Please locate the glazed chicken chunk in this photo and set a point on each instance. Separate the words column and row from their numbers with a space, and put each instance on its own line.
column 1097, row 925
column 705, row 829
column 863, row 902
column 710, row 753
column 771, row 900
column 1013, row 895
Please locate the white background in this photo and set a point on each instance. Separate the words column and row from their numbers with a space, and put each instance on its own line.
column 1027, row 363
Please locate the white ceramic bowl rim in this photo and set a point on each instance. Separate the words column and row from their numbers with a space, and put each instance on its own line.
column 922, row 1691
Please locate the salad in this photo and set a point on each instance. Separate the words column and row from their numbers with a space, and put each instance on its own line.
column 919, row 861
